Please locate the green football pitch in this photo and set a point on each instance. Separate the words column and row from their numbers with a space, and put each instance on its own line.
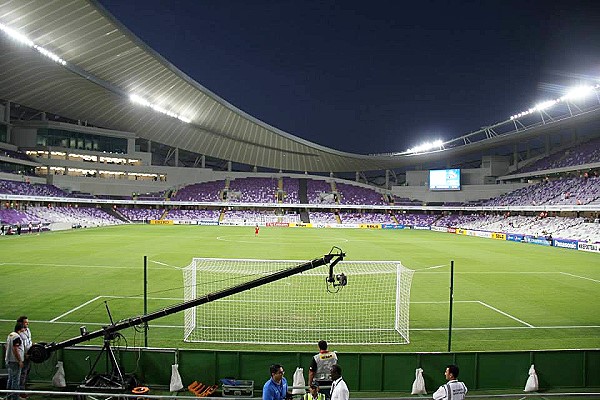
column 507, row 296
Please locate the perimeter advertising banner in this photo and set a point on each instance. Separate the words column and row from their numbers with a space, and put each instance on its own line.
column 392, row 226
column 513, row 237
column 499, row 236
column 161, row 222
column 185, row 222
column 213, row 223
column 538, row 240
column 300, row 225
column 481, row 234
column 593, row 247
column 565, row 244
column 369, row 226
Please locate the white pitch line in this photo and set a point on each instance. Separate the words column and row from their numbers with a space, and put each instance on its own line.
column 503, row 328
column 434, row 267
column 78, row 265
column 63, row 265
column 498, row 328
column 492, row 272
column 505, row 314
column 76, row 308
column 109, row 297
column 580, row 277
column 166, row 265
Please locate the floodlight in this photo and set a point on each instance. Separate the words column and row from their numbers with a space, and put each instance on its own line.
column 578, row 93
column 139, row 100
column 16, row 35
column 142, row 101
column 545, row 105
column 426, row 147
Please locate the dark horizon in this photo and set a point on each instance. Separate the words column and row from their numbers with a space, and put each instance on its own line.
column 374, row 77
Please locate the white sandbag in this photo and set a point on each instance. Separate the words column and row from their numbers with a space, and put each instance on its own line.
column 176, row 384
column 418, row 386
column 58, row 380
column 532, row 381
column 299, row 381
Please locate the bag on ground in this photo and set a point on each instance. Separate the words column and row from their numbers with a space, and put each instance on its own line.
column 532, row 381
column 299, row 381
column 58, row 380
column 418, row 386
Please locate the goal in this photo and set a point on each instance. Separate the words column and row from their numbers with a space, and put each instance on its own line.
column 301, row 309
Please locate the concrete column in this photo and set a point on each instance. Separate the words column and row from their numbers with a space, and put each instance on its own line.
column 203, row 162
column 7, row 119
column 177, row 156
column 228, row 166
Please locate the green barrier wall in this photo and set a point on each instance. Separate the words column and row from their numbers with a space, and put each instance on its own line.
column 363, row 372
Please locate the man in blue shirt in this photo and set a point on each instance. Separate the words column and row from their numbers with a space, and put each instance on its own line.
column 276, row 387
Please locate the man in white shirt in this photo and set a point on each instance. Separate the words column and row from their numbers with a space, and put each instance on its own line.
column 453, row 389
column 25, row 335
column 339, row 390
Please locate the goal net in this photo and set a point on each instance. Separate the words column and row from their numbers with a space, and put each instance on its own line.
column 301, row 309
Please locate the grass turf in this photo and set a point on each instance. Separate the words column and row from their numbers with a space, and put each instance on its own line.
column 508, row 296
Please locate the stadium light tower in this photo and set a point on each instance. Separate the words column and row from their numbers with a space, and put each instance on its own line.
column 573, row 94
column 425, row 147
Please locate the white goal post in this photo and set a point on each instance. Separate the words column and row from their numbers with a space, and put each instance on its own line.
column 372, row 309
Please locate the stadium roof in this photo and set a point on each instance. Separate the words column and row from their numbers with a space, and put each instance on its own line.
column 100, row 64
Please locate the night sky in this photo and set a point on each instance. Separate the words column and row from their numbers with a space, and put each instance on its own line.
column 374, row 76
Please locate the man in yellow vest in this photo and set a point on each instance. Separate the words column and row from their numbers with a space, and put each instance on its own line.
column 313, row 393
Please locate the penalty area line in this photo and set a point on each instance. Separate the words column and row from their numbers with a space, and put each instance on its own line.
column 110, row 297
column 76, row 308
column 505, row 314
column 580, row 277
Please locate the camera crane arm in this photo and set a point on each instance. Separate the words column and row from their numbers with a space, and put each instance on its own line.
column 40, row 352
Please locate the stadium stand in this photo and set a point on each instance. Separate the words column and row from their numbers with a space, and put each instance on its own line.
column 206, row 191
column 252, row 190
column 31, row 189
column 560, row 191
column 193, row 215
column 416, row 219
column 365, row 218
column 84, row 216
column 141, row 214
column 318, row 191
column 350, row 194
column 291, row 188
column 322, row 217
column 584, row 153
